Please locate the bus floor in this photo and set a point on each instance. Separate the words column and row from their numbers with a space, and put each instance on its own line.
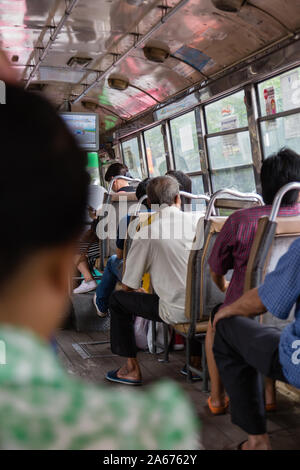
column 217, row 431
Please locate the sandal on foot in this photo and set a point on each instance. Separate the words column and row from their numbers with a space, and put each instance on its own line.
column 218, row 410
column 240, row 446
column 112, row 377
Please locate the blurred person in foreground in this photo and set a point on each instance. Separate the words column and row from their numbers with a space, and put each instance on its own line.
column 41, row 406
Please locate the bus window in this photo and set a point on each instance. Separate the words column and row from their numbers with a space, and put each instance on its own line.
column 185, row 143
column 228, row 113
column 280, row 94
column 198, row 188
column 155, row 152
column 241, row 179
column 229, row 152
column 132, row 157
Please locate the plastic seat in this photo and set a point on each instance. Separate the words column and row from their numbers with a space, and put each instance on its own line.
column 202, row 295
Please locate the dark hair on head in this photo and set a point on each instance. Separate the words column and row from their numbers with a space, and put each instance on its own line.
column 277, row 170
column 185, row 184
column 43, row 182
column 141, row 189
column 115, row 169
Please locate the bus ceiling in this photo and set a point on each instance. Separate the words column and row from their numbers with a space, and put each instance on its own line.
column 124, row 58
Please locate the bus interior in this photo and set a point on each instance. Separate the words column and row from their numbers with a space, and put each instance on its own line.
column 210, row 88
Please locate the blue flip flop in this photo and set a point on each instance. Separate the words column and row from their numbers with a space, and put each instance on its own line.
column 194, row 376
column 112, row 377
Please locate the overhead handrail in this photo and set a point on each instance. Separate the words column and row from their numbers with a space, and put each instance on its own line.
column 231, row 192
column 278, row 198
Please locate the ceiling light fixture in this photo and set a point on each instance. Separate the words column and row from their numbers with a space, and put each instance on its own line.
column 79, row 62
column 90, row 105
column 156, row 54
column 118, row 83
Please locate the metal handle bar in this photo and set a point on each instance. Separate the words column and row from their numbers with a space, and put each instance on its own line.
column 194, row 196
column 231, row 192
column 139, row 204
column 120, row 177
column 278, row 198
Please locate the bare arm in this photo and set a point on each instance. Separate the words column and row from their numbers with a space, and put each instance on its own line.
column 219, row 280
column 249, row 305
column 129, row 289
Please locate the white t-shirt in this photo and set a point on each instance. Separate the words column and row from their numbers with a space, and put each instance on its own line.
column 162, row 249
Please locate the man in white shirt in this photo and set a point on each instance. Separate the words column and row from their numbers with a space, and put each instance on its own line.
column 161, row 249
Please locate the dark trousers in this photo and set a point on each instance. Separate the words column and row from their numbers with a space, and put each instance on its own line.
column 124, row 307
column 244, row 349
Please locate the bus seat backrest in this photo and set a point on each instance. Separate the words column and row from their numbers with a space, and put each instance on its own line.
column 119, row 206
column 135, row 222
column 271, row 242
column 127, row 242
column 234, row 204
column 210, row 294
column 193, row 277
column 202, row 294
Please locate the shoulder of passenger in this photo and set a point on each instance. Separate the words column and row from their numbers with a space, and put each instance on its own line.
column 241, row 215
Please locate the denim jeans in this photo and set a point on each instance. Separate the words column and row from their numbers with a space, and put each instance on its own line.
column 112, row 274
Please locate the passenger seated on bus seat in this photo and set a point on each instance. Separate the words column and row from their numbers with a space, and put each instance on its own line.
column 119, row 185
column 41, row 405
column 114, row 267
column 162, row 249
column 244, row 348
column 89, row 243
column 232, row 249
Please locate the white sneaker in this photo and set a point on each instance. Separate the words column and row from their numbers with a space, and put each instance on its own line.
column 85, row 287
column 101, row 314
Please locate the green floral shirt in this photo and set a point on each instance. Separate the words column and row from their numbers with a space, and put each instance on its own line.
column 42, row 407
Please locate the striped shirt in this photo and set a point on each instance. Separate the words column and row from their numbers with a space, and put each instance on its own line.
column 232, row 247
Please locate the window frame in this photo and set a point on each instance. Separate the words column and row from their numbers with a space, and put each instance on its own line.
column 273, row 117
column 238, row 130
column 144, row 168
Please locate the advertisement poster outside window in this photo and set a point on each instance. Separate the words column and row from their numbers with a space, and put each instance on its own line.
column 270, row 103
